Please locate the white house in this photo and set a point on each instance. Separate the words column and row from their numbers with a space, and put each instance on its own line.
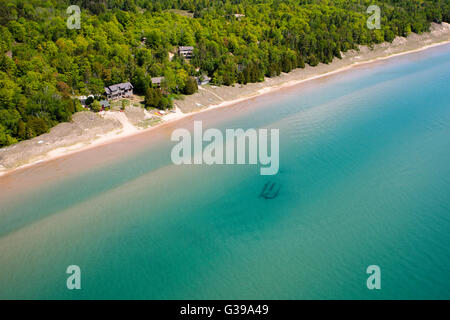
column 186, row 52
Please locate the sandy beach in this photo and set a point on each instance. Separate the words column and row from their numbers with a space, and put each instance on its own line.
column 88, row 130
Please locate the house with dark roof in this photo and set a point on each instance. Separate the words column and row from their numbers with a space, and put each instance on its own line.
column 105, row 104
column 186, row 52
column 120, row 90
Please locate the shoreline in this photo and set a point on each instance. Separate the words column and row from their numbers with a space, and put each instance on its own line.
column 292, row 83
column 242, row 93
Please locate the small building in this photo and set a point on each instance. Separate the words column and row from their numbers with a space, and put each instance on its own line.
column 239, row 15
column 105, row 104
column 83, row 99
column 203, row 79
column 186, row 52
column 120, row 90
column 156, row 82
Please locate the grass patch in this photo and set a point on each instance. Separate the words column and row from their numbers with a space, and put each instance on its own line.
column 183, row 13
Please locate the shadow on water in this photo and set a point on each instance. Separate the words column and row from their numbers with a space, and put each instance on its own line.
column 270, row 190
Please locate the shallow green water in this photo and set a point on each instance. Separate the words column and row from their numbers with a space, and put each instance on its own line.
column 365, row 176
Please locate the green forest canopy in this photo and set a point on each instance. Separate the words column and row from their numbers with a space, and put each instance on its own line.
column 43, row 64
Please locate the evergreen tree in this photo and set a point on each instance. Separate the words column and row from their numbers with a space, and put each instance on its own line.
column 191, row 86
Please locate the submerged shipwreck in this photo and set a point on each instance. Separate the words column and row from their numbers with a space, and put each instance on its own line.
column 270, row 190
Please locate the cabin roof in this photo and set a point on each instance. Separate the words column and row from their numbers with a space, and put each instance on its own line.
column 157, row 80
column 120, row 86
column 203, row 79
column 104, row 103
column 183, row 48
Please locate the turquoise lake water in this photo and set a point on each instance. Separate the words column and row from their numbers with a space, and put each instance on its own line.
column 364, row 176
